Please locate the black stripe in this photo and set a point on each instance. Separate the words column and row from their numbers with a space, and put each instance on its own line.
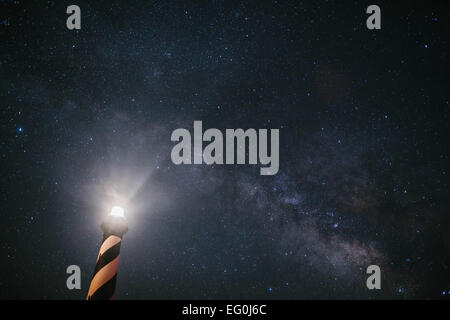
column 108, row 256
column 106, row 291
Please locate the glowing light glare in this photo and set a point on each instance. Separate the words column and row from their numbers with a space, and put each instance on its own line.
column 117, row 212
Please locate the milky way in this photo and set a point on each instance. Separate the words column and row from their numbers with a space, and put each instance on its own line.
column 86, row 122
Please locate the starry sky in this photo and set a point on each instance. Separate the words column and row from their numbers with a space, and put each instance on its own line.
column 86, row 119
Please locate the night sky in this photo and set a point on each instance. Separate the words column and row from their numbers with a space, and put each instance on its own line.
column 86, row 120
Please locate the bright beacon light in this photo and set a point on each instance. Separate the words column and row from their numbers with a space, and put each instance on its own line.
column 117, row 212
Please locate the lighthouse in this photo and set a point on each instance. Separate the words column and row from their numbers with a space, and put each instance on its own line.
column 103, row 282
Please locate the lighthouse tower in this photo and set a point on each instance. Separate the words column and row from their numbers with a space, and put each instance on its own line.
column 103, row 282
